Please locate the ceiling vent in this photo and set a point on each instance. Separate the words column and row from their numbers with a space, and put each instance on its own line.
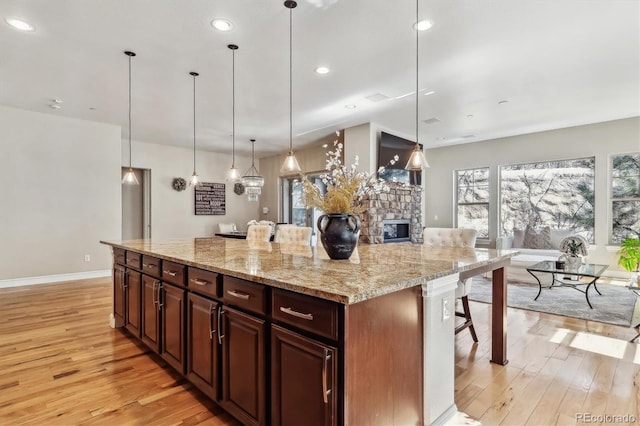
column 431, row 120
column 377, row 97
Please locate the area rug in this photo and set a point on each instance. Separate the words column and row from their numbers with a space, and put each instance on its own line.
column 615, row 306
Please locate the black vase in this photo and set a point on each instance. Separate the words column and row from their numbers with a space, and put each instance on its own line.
column 339, row 234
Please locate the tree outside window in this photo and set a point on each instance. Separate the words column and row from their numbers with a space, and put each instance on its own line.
column 472, row 200
column 625, row 197
column 558, row 194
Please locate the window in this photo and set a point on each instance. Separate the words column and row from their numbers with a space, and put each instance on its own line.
column 625, row 197
column 472, row 200
column 558, row 194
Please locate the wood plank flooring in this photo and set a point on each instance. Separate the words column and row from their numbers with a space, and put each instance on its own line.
column 61, row 364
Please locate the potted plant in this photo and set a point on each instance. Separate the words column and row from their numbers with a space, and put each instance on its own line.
column 630, row 256
column 339, row 226
column 574, row 248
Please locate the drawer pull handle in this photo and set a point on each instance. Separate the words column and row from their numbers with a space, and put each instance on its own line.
column 237, row 294
column 172, row 273
column 308, row 317
column 199, row 282
column 149, row 265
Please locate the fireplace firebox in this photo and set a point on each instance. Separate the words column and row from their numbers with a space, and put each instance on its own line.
column 396, row 230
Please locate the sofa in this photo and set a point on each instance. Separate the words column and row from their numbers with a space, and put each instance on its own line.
column 534, row 245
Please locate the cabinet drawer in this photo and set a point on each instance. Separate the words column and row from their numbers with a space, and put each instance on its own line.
column 133, row 259
column 118, row 256
column 201, row 281
column 244, row 294
column 151, row 265
column 173, row 273
column 306, row 312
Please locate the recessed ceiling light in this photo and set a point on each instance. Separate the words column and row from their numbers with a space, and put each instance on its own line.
column 430, row 92
column 470, row 116
column 222, row 24
column 423, row 25
column 503, row 102
column 350, row 106
column 322, row 70
column 54, row 106
column 19, row 24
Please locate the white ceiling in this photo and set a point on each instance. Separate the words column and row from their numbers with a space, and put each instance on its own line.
column 557, row 63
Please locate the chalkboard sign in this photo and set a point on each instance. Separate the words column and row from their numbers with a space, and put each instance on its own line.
column 210, row 199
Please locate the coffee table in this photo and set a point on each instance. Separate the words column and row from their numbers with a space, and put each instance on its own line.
column 559, row 276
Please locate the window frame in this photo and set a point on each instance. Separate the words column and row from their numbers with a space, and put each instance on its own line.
column 457, row 203
column 612, row 199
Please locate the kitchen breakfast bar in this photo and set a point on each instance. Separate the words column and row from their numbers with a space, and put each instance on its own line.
column 280, row 334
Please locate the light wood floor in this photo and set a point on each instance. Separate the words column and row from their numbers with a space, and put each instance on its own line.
column 60, row 364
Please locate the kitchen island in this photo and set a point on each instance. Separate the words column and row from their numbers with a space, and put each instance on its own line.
column 281, row 334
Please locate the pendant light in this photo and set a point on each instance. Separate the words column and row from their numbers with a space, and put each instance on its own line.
column 233, row 174
column 252, row 180
column 290, row 165
column 130, row 177
column 195, row 179
column 417, row 162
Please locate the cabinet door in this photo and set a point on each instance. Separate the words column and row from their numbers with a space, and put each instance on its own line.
column 151, row 312
column 202, row 344
column 243, row 366
column 303, row 380
column 119, row 294
column 132, row 302
column 173, row 326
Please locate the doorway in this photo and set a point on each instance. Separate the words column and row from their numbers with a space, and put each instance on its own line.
column 136, row 206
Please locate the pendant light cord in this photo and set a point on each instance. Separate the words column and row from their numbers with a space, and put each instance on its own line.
column 233, row 108
column 417, row 62
column 291, row 81
column 129, row 111
column 194, row 122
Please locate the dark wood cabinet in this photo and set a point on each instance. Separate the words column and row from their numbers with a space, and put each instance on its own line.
column 303, row 380
column 243, row 366
column 172, row 302
column 203, row 348
column 151, row 312
column 119, row 289
column 132, row 302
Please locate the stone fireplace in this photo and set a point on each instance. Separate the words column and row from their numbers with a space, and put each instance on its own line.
column 402, row 204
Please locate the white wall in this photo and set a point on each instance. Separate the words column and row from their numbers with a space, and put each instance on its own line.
column 60, row 194
column 599, row 140
column 172, row 212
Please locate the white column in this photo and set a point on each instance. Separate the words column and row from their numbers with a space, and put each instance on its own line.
column 438, row 298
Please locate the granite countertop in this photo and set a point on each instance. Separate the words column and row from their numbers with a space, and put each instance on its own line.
column 373, row 269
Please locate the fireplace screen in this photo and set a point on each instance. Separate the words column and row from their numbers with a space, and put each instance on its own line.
column 396, row 230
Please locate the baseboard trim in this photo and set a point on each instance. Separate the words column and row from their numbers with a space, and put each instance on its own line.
column 48, row 279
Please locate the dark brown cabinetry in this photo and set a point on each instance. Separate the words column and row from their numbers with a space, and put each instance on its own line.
column 119, row 289
column 243, row 366
column 202, row 340
column 132, row 298
column 151, row 312
column 303, row 380
column 173, row 324
column 235, row 339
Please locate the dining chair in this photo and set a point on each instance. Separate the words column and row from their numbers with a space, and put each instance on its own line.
column 292, row 234
column 456, row 237
column 259, row 233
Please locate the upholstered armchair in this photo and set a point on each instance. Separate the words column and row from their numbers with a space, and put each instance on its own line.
column 259, row 233
column 455, row 237
column 225, row 228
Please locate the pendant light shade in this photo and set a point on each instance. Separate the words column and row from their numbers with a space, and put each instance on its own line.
column 233, row 174
column 417, row 161
column 130, row 177
column 290, row 165
column 195, row 179
column 252, row 180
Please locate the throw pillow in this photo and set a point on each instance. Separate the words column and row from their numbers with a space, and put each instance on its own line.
column 518, row 238
column 537, row 239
